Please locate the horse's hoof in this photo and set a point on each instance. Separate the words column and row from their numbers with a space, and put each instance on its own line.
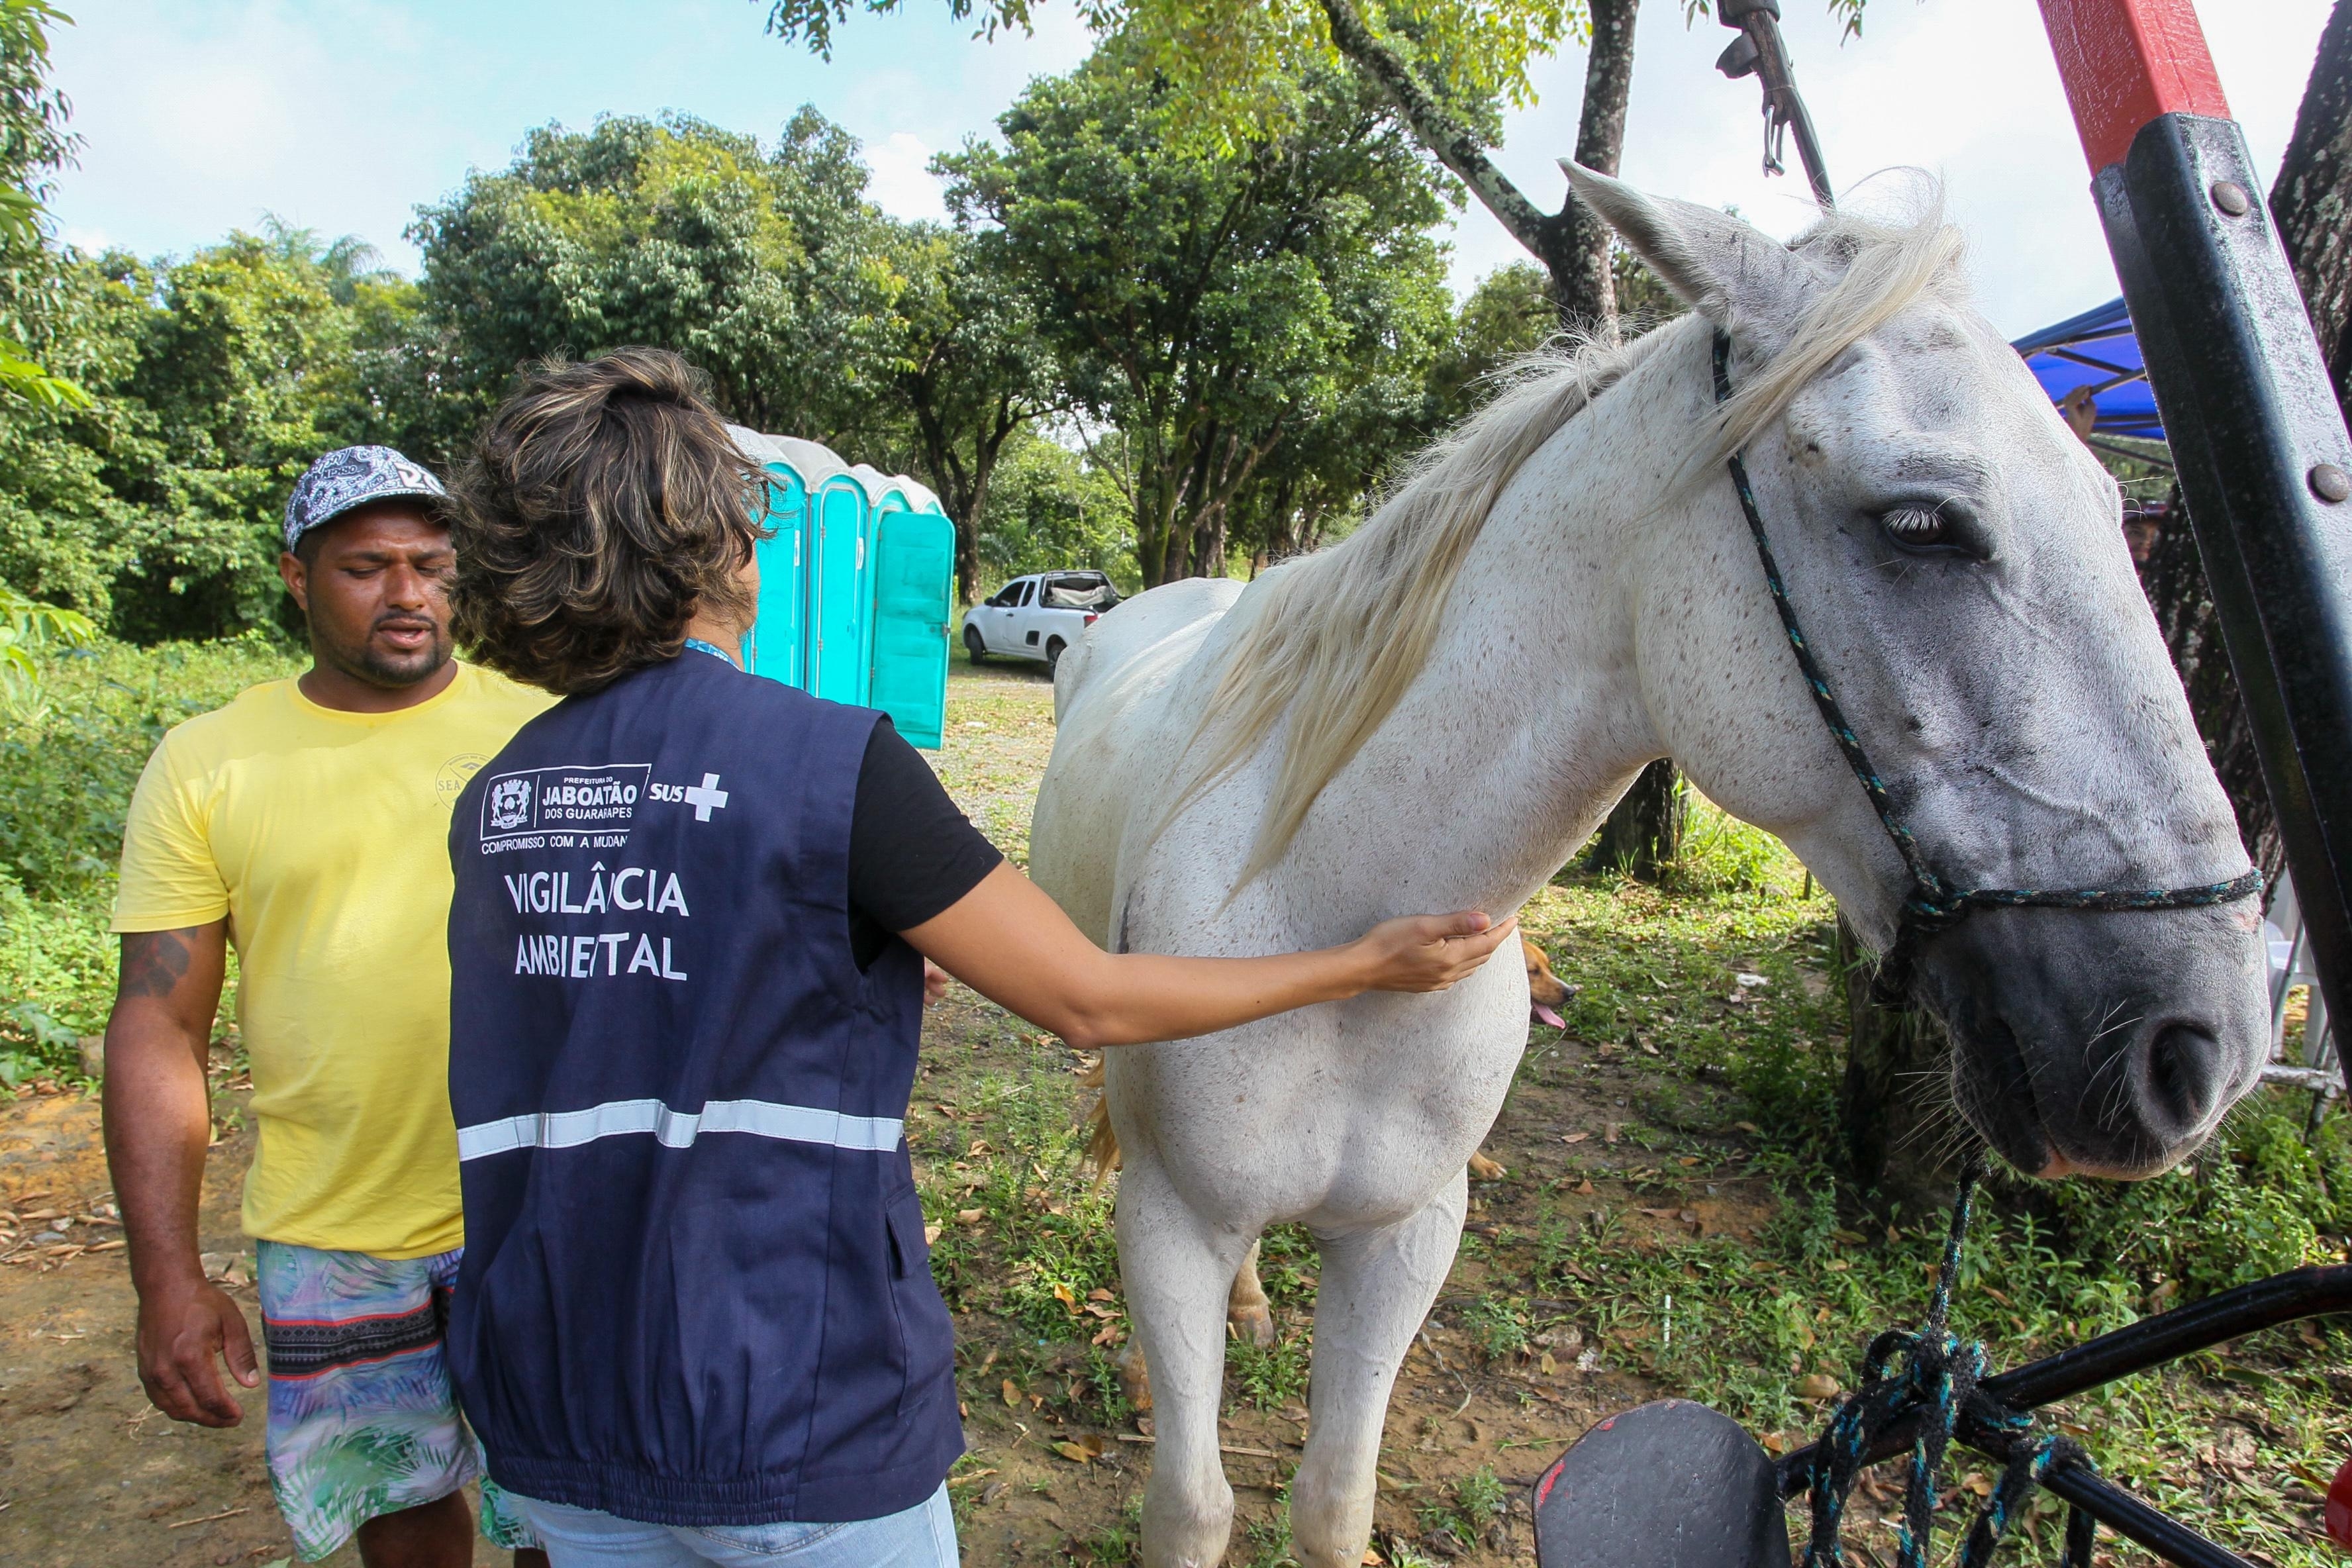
column 1254, row 1324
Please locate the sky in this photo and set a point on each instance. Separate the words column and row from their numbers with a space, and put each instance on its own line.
column 345, row 115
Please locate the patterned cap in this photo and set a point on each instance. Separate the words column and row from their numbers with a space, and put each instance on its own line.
column 351, row 477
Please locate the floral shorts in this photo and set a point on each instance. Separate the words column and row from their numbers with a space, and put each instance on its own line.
column 362, row 1418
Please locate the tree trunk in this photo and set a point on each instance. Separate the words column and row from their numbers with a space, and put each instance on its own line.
column 1894, row 1109
column 2312, row 205
column 1586, row 294
column 1644, row 832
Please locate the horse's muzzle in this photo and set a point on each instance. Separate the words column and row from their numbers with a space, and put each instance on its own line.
column 2104, row 1044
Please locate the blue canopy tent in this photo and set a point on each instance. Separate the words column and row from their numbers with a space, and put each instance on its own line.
column 2097, row 350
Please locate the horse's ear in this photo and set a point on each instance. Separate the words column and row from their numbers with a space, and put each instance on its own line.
column 1730, row 271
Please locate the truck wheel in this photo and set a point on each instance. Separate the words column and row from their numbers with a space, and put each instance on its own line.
column 974, row 644
column 1053, row 655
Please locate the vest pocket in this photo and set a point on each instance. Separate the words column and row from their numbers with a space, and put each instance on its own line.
column 925, row 1333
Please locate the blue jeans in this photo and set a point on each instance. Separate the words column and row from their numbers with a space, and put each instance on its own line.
column 921, row 1537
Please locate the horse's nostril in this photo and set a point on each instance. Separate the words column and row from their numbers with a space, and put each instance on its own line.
column 2182, row 1076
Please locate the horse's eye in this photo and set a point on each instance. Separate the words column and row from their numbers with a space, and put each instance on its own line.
column 1917, row 528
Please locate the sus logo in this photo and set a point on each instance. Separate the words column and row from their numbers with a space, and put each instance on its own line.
column 509, row 803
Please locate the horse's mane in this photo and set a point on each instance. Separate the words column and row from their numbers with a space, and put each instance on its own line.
column 1336, row 638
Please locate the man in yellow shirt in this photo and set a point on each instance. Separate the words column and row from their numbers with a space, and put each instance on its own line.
column 308, row 824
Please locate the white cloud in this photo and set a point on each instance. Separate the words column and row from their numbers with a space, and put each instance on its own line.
column 903, row 185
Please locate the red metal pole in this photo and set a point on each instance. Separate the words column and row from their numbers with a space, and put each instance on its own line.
column 2126, row 61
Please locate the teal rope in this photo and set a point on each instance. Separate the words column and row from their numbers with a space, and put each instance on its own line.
column 1934, row 1373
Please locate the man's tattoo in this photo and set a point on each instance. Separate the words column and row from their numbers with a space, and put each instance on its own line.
column 154, row 962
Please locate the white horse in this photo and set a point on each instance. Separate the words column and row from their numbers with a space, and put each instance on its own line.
column 1436, row 713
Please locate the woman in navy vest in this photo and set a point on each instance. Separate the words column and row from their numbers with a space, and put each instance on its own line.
column 693, row 903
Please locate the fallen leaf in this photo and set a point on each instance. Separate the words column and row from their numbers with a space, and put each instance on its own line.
column 1112, row 1333
column 1978, row 1483
column 1774, row 1444
column 1067, row 1298
column 1648, row 1047
column 1610, row 1130
column 1576, row 1137
column 1550, row 1366
column 968, row 1216
column 1083, row 1450
column 1687, row 1160
column 1096, row 1308
column 1585, row 1188
column 1817, row 1385
column 931, row 1234
column 1372, row 1558
column 1011, row 1395
column 1099, row 1294
column 979, row 1147
column 1747, row 1127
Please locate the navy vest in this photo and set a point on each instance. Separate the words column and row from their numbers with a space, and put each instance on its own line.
column 696, row 1289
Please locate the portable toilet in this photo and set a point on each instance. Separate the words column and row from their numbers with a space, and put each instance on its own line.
column 855, row 585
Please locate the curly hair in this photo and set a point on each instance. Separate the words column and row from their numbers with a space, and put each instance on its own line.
column 605, row 504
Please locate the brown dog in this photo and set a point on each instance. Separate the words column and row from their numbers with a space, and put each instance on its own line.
column 1247, row 1312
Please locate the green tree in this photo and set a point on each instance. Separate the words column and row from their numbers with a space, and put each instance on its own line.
column 238, row 358
column 1203, row 299
column 971, row 370
column 1054, row 508
column 33, row 145
column 767, row 267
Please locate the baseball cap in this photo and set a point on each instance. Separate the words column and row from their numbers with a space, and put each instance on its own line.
column 352, row 477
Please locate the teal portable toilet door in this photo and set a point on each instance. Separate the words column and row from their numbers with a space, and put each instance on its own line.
column 914, row 582
column 838, row 598
column 777, row 646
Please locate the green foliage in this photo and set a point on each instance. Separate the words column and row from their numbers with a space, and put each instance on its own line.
column 1269, row 1378
column 28, row 627
column 1205, row 342
column 1051, row 507
column 34, row 143
column 65, row 779
column 764, row 266
column 65, row 782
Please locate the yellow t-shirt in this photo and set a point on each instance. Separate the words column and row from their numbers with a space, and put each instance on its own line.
column 324, row 837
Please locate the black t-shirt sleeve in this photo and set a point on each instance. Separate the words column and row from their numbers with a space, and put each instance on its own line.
column 911, row 852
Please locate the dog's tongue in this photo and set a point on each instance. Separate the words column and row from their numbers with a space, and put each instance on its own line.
column 1548, row 1016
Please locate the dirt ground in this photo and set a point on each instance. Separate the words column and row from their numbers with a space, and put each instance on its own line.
column 91, row 1477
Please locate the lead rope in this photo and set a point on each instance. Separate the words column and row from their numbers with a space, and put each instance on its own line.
column 1939, row 1376
column 1934, row 903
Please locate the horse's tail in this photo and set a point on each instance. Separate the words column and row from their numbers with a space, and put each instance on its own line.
column 1102, row 1138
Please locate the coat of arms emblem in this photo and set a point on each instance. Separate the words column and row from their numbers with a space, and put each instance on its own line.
column 509, row 803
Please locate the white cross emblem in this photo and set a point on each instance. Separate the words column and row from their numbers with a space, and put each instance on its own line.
column 705, row 797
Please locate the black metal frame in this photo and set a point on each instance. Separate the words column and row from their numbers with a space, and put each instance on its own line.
column 2252, row 419
column 2150, row 1343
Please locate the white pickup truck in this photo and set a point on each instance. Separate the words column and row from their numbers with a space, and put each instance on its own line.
column 1038, row 617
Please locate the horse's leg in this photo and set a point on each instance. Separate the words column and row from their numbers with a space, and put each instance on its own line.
column 1377, row 1287
column 1247, row 1307
column 1176, row 1267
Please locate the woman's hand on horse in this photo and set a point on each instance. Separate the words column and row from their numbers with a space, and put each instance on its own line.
column 1009, row 941
column 1430, row 953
